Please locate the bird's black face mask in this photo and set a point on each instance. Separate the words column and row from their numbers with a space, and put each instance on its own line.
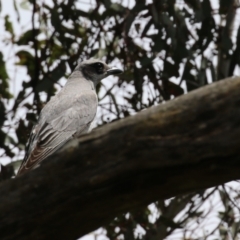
column 96, row 70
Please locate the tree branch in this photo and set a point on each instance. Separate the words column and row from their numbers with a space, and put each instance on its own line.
column 184, row 145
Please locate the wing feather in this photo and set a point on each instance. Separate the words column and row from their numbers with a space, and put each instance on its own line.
column 54, row 130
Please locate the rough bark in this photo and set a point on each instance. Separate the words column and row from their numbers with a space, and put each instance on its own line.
column 186, row 144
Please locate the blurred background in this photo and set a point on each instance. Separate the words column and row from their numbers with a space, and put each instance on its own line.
column 166, row 49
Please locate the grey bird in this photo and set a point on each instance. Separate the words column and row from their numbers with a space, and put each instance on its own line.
column 68, row 114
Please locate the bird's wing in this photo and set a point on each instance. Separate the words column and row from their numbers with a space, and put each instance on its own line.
column 53, row 132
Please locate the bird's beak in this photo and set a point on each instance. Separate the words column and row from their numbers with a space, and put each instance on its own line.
column 114, row 70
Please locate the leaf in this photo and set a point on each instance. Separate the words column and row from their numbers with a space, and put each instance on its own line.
column 227, row 43
column 189, row 77
column 154, row 12
column 19, row 99
column 169, row 26
column 158, row 44
column 169, row 222
column 3, row 72
column 25, row 5
column 213, row 73
column 224, row 5
column 78, row 13
column 8, row 151
column 194, row 4
column 56, row 23
column 117, row 7
column 4, row 86
column 206, row 8
column 171, row 69
column 47, row 83
column 21, row 132
column 28, row 37
column 201, row 76
column 8, row 25
column 146, row 61
column 31, row 117
column 2, row 117
column 6, row 172
column 180, row 52
column 174, row 89
column 16, row 165
column 139, row 6
column 25, row 57
column 224, row 198
column 107, row 3
column 128, row 22
column 44, row 85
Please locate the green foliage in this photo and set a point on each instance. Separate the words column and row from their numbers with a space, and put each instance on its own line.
column 8, row 25
column 166, row 48
column 4, row 85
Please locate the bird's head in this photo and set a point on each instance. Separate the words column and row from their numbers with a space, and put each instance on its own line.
column 96, row 70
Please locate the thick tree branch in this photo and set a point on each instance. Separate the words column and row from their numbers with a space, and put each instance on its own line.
column 186, row 144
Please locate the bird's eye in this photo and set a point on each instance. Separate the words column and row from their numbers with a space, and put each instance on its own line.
column 99, row 68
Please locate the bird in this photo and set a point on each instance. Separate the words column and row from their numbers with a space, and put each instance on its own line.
column 68, row 114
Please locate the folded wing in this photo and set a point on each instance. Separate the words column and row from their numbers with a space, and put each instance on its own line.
column 58, row 122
